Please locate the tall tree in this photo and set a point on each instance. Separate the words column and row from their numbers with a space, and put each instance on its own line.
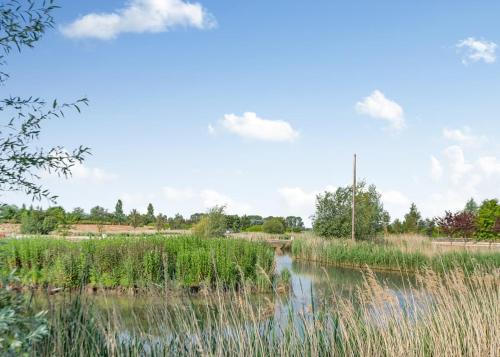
column 471, row 207
column 150, row 214
column 412, row 220
column 134, row 218
column 333, row 213
column 21, row 158
column 119, row 215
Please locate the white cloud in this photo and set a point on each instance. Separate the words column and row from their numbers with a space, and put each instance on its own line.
column 459, row 167
column 477, row 50
column 376, row 105
column 393, row 197
column 94, row 174
column 211, row 129
column 395, row 202
column 436, row 168
column 211, row 198
column 178, row 194
column 251, row 126
column 490, row 165
column 139, row 16
column 462, row 136
column 300, row 202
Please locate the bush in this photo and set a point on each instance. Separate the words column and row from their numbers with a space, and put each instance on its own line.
column 333, row 213
column 213, row 224
column 274, row 226
column 488, row 220
column 254, row 229
column 37, row 222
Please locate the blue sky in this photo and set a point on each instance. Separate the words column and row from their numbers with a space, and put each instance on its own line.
column 260, row 105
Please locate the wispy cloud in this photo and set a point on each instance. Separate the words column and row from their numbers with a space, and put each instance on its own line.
column 376, row 105
column 250, row 126
column 477, row 50
column 139, row 16
column 436, row 168
column 463, row 136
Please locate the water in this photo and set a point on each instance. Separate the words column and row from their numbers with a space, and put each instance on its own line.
column 312, row 286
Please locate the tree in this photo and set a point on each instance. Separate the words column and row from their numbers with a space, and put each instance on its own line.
column 98, row 214
column 471, row 207
column 461, row 224
column 295, row 224
column 134, row 218
column 77, row 214
column 213, row 224
column 150, row 214
column 233, row 223
column 119, row 215
column 273, row 225
column 177, row 222
column 412, row 220
column 333, row 213
column 488, row 220
column 36, row 221
column 161, row 222
column 21, row 159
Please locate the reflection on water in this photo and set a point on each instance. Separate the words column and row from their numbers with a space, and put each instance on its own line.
column 313, row 286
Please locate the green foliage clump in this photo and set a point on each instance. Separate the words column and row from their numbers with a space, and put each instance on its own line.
column 38, row 222
column 213, row 224
column 333, row 213
column 274, row 226
column 488, row 221
column 382, row 256
column 254, row 229
column 138, row 262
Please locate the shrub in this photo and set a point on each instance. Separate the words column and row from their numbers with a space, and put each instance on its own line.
column 254, row 229
column 273, row 225
column 460, row 224
column 213, row 224
column 37, row 222
column 488, row 220
column 333, row 213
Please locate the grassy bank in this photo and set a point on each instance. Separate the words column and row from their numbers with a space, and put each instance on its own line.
column 138, row 262
column 445, row 315
column 389, row 256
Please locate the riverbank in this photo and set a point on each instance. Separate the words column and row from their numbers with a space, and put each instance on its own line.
column 387, row 256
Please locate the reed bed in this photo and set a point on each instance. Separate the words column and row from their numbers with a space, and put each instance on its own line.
column 138, row 262
column 452, row 314
column 389, row 256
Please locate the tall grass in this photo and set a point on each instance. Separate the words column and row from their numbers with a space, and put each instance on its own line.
column 138, row 262
column 452, row 314
column 388, row 256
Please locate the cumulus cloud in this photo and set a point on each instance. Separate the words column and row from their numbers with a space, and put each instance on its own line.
column 177, row 194
column 436, row 168
column 376, row 105
column 395, row 202
column 455, row 156
column 463, row 136
column 82, row 172
column 140, row 16
column 211, row 198
column 489, row 165
column 477, row 50
column 299, row 202
column 250, row 126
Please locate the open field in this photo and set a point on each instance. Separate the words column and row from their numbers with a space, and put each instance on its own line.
column 83, row 229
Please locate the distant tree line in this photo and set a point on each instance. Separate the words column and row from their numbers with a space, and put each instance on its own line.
column 40, row 221
column 334, row 212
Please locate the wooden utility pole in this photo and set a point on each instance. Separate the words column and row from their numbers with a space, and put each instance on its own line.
column 353, row 229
